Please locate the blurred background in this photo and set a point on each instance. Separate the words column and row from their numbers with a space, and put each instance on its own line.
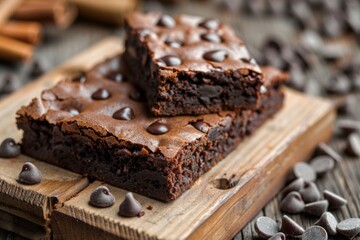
column 316, row 41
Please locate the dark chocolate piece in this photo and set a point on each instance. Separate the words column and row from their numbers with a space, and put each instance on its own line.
column 310, row 192
column 158, row 128
column 348, row 126
column 325, row 149
column 290, row 228
column 322, row 164
column 29, row 174
column 349, row 227
column 166, row 21
column 9, row 149
column 328, row 222
column 335, row 201
column 278, row 236
column 102, row 197
column 314, row 233
column 266, row 227
column 305, row 171
column 316, row 208
column 295, row 185
column 130, row 207
column 101, row 94
column 292, row 203
column 36, row 70
column 353, row 145
column 9, row 84
column 125, row 113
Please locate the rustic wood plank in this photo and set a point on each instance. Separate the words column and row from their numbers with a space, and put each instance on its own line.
column 35, row 203
column 205, row 212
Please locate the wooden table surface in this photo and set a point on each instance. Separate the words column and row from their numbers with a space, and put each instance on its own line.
column 344, row 180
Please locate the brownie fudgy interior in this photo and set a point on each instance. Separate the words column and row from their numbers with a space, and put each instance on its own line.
column 99, row 125
column 190, row 65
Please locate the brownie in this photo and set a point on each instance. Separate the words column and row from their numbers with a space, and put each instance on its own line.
column 190, row 65
column 99, row 125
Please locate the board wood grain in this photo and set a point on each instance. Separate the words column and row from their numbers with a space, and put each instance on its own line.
column 251, row 175
column 35, row 203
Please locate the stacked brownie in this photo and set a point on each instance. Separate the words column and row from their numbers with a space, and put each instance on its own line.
column 156, row 121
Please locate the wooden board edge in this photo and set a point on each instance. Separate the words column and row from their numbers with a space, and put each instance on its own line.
column 232, row 213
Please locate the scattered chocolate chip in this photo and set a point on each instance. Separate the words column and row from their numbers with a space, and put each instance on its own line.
column 216, row 55
column 338, row 84
column 116, row 77
column 297, row 78
column 158, row 128
column 130, row 207
column 249, row 61
column 101, row 94
column 316, row 208
column 335, row 201
column 125, row 113
column 169, row 61
column 290, row 228
column 278, row 236
column 304, row 171
column 266, row 227
column 333, row 24
column 349, row 227
column 137, row 95
column 80, row 78
column 256, row 7
column 201, row 126
column 310, row 192
column 173, row 43
column 322, row 164
column 353, row 145
column 36, row 70
column 311, row 40
column 277, row 7
column 328, row 222
column 211, row 37
column 29, row 174
column 295, row 185
column 292, row 203
column 303, row 14
column 348, row 126
column 102, row 197
column 9, row 84
column 9, row 149
column 166, row 21
column 211, row 24
column 325, row 149
column 303, row 57
column 333, row 52
column 314, row 233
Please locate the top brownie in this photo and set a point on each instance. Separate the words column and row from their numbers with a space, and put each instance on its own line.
column 190, row 65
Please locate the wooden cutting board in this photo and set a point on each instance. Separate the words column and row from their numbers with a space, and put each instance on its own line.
column 217, row 206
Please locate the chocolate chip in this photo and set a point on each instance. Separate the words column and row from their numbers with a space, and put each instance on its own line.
column 116, row 77
column 102, row 197
column 322, row 164
column 297, row 78
column 277, row 7
column 310, row 192
column 314, row 233
column 216, row 55
column 349, row 227
column 278, row 236
column 303, row 14
column 158, row 128
column 256, row 7
column 130, row 207
column 348, row 126
column 137, row 95
column 173, row 43
column 166, row 21
column 338, row 84
column 335, row 201
column 80, row 78
column 334, row 52
column 325, row 149
column 125, row 113
column 211, row 24
column 201, row 126
column 9, row 84
column 29, row 174
column 101, row 94
column 169, row 61
column 211, row 37
column 249, row 61
column 328, row 222
column 295, row 185
column 316, row 208
column 266, row 227
column 303, row 56
column 304, row 171
column 36, row 70
column 290, row 228
column 353, row 145
column 312, row 40
column 9, row 149
column 292, row 203
column 333, row 24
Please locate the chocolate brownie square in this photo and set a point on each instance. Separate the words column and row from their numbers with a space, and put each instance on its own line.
column 190, row 65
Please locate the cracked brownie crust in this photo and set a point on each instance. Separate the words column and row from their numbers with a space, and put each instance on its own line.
column 99, row 125
column 190, row 65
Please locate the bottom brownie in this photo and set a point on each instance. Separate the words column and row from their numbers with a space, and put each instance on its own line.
column 102, row 128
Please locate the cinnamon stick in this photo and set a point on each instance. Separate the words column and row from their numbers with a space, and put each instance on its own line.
column 107, row 11
column 30, row 32
column 59, row 12
column 14, row 50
